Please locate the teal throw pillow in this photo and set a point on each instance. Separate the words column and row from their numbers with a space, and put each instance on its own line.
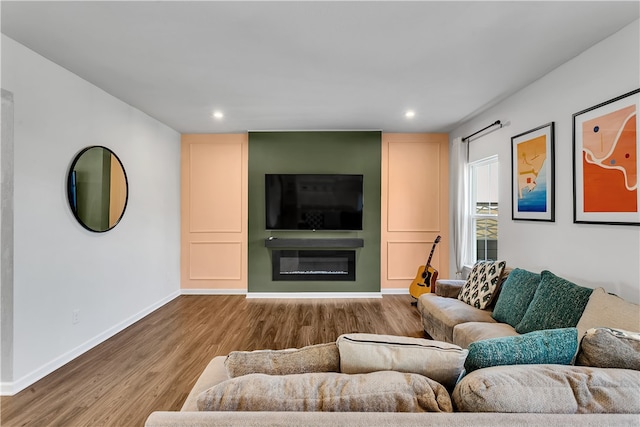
column 515, row 296
column 555, row 346
column 557, row 303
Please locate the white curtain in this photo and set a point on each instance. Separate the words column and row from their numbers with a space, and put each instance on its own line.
column 459, row 185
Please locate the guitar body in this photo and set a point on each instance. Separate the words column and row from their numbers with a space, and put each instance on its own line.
column 424, row 282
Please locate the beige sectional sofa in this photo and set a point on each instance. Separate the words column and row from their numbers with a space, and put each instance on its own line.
column 447, row 318
column 215, row 373
column 341, row 383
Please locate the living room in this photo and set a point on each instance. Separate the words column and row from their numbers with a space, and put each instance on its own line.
column 117, row 278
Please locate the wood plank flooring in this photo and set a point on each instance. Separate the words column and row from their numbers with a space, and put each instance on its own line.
column 153, row 364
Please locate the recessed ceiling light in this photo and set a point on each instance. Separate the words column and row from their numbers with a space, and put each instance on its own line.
column 409, row 114
column 218, row 115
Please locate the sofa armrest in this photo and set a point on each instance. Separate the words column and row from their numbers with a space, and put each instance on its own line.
column 449, row 288
column 213, row 374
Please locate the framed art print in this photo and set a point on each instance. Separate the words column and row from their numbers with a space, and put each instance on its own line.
column 533, row 175
column 605, row 162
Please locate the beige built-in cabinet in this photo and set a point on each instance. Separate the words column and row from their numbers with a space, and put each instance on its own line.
column 415, row 206
column 214, row 212
column 213, row 248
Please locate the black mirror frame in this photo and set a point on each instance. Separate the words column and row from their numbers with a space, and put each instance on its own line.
column 70, row 193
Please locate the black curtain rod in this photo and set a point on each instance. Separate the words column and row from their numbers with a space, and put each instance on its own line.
column 496, row 123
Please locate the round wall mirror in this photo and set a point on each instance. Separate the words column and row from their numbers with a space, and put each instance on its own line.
column 97, row 188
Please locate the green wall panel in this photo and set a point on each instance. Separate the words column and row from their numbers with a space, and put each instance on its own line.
column 315, row 152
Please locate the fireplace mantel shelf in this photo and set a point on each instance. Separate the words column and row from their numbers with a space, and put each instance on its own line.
column 275, row 242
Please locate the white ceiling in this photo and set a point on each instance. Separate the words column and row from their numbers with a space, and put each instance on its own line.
column 312, row 65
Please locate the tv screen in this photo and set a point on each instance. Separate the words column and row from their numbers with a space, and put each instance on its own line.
column 313, row 202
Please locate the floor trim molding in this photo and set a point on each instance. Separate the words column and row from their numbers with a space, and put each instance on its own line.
column 11, row 388
column 213, row 291
column 395, row 291
column 315, row 295
column 388, row 291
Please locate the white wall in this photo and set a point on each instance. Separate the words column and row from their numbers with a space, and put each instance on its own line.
column 590, row 255
column 6, row 236
column 112, row 278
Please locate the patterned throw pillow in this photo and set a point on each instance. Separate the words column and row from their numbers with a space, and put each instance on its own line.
column 482, row 284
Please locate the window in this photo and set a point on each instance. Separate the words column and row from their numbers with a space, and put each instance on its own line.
column 483, row 215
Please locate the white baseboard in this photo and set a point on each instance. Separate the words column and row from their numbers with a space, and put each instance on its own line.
column 395, row 291
column 11, row 388
column 7, row 389
column 315, row 295
column 213, row 292
column 388, row 291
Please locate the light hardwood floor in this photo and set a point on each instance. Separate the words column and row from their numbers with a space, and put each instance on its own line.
column 153, row 364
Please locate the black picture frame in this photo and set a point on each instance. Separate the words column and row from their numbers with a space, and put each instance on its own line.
column 533, row 174
column 606, row 162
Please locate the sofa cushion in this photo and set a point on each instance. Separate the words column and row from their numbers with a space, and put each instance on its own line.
column 466, row 333
column 549, row 389
column 515, row 296
column 557, row 303
column 386, row 391
column 313, row 358
column 610, row 348
column 609, row 311
column 482, row 284
column 440, row 315
column 548, row 346
column 363, row 353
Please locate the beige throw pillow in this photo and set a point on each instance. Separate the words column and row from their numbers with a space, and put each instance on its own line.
column 604, row 310
column 313, row 358
column 440, row 361
column 328, row 391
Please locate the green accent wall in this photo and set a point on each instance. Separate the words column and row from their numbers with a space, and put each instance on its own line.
column 357, row 152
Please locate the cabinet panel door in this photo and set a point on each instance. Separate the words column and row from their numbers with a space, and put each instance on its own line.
column 415, row 206
column 214, row 212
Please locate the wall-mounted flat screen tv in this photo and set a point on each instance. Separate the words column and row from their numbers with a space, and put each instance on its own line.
column 313, row 202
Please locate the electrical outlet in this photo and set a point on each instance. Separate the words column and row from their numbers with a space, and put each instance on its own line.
column 75, row 316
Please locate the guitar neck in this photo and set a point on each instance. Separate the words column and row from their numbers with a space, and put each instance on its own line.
column 433, row 248
column 431, row 254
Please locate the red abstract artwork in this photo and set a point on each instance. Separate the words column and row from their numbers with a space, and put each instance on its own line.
column 609, row 160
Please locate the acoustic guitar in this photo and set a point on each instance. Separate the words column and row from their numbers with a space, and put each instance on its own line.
column 426, row 277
